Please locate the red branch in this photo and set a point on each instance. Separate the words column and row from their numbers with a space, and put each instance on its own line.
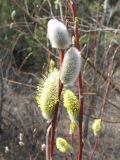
column 94, row 148
column 80, row 117
column 80, row 87
column 53, row 123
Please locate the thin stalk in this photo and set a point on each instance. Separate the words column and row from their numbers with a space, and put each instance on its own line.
column 72, row 143
column 66, row 13
column 47, row 142
column 75, row 25
column 1, row 96
column 51, row 11
column 95, row 35
column 53, row 123
column 94, row 148
column 80, row 87
column 110, row 73
column 48, row 53
column 61, row 11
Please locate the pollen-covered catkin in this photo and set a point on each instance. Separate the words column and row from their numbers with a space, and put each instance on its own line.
column 47, row 95
column 71, row 66
column 73, row 127
column 71, row 104
column 58, row 35
column 96, row 126
column 62, row 145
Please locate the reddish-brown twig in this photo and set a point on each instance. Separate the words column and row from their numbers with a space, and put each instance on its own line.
column 53, row 123
column 94, row 148
column 110, row 73
column 80, row 87
column 81, row 116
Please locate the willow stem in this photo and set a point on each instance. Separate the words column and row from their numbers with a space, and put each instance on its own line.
column 53, row 123
column 80, row 87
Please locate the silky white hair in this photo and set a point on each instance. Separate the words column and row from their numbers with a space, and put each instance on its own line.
column 58, row 35
column 71, row 66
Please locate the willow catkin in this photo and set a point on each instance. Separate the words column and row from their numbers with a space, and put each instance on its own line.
column 71, row 104
column 58, row 35
column 71, row 66
column 96, row 126
column 47, row 95
column 73, row 127
column 62, row 145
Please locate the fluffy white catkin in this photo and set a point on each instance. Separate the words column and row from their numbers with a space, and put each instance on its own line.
column 71, row 66
column 58, row 35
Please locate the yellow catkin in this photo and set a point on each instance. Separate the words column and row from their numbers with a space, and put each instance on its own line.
column 47, row 95
column 62, row 145
column 73, row 127
column 96, row 126
column 71, row 104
